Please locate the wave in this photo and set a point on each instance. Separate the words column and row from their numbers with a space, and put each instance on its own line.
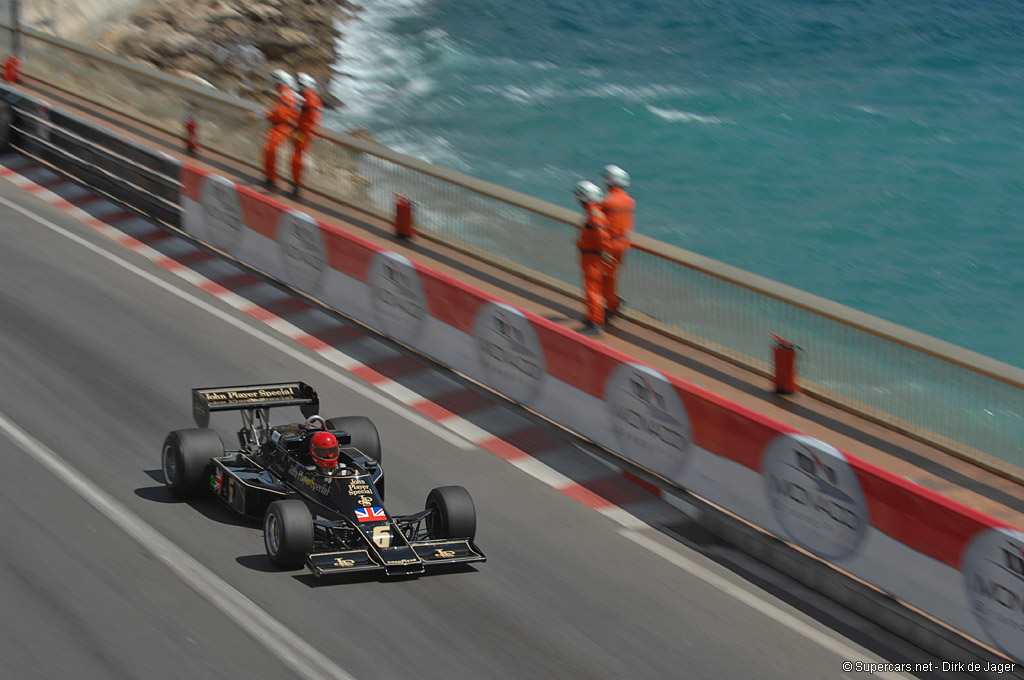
column 543, row 92
column 870, row 110
column 673, row 116
column 640, row 93
column 432, row 148
column 524, row 95
column 375, row 66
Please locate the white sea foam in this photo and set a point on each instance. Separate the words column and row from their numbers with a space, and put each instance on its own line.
column 673, row 116
column 375, row 68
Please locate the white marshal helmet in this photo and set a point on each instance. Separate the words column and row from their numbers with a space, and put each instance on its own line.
column 306, row 81
column 282, row 77
column 587, row 191
column 614, row 176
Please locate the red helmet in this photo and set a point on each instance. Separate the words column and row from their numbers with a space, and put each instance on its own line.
column 323, row 446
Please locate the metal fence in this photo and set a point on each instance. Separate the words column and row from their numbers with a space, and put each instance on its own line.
column 956, row 399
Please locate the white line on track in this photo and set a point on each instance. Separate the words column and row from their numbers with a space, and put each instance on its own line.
column 282, row 642
column 845, row 652
column 372, row 394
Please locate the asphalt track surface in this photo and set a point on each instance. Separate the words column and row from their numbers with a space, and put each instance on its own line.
column 96, row 363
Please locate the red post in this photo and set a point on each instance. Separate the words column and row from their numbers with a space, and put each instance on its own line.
column 12, row 70
column 191, row 136
column 403, row 217
column 785, row 366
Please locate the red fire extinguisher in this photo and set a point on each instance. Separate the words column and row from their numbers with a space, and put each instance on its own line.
column 403, row 217
column 785, row 366
column 191, row 135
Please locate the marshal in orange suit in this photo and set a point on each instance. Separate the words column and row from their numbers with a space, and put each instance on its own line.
column 282, row 118
column 619, row 209
column 593, row 243
column 309, row 120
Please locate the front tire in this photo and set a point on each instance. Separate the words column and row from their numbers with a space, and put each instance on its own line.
column 185, row 460
column 453, row 514
column 288, row 533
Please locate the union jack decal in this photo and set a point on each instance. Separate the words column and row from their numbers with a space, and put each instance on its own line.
column 371, row 514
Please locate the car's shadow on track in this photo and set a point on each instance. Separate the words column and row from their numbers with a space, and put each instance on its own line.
column 208, row 506
column 259, row 562
column 156, row 494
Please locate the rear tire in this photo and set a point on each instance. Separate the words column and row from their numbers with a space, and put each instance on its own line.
column 363, row 431
column 453, row 513
column 185, row 460
column 288, row 533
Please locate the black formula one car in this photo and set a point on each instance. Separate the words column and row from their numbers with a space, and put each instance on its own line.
column 332, row 520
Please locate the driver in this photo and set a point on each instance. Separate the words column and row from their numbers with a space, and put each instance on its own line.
column 323, row 447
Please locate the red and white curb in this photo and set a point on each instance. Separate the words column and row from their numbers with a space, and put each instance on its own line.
column 613, row 492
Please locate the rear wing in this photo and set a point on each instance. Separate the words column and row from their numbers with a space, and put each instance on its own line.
column 209, row 399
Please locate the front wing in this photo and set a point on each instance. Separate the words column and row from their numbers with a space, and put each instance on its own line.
column 423, row 554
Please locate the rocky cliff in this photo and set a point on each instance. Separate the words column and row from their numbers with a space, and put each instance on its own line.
column 76, row 20
column 231, row 44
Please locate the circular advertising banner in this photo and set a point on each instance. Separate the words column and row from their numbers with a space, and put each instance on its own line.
column 993, row 569
column 649, row 420
column 398, row 298
column 222, row 212
column 509, row 351
column 302, row 250
column 815, row 495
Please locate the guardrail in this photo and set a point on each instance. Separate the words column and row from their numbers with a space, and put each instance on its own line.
column 963, row 402
column 141, row 180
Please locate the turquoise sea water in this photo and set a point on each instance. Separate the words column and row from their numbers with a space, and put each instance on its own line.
column 870, row 152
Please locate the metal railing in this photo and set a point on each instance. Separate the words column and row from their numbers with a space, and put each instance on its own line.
column 958, row 400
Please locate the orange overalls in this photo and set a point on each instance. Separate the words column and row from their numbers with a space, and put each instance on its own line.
column 618, row 210
column 593, row 243
column 282, row 119
column 309, row 119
